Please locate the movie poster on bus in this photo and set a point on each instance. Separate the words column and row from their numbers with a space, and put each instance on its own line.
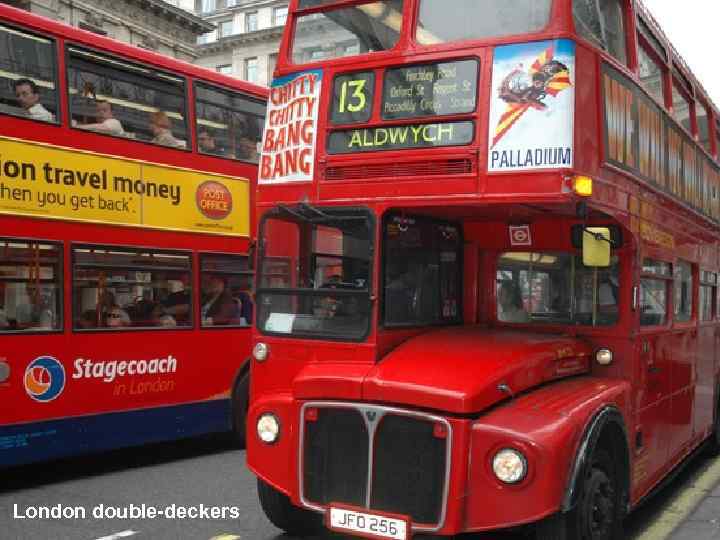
column 288, row 147
column 532, row 106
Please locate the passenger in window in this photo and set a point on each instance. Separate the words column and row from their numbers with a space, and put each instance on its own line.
column 560, row 298
column 208, row 145
column 160, row 128
column 28, row 96
column 246, row 307
column 219, row 308
column 161, row 318
column 177, row 303
column 106, row 123
column 38, row 311
column 113, row 315
column 247, row 143
column 510, row 306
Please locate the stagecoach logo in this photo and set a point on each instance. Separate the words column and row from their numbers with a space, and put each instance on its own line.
column 531, row 116
column 214, row 200
column 44, row 379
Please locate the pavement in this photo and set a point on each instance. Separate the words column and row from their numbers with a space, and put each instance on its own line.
column 693, row 513
column 703, row 522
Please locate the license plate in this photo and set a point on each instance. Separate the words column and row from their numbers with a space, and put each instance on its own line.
column 367, row 524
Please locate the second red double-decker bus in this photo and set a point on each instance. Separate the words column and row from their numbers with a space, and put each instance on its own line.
column 126, row 183
column 487, row 274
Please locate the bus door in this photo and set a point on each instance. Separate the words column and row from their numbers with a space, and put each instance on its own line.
column 683, row 356
column 708, row 336
column 654, row 349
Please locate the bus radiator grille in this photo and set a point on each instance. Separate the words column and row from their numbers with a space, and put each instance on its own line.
column 408, row 469
column 409, row 463
column 336, row 458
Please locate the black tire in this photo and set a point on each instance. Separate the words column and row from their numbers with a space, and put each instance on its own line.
column 284, row 515
column 240, row 403
column 715, row 437
column 598, row 513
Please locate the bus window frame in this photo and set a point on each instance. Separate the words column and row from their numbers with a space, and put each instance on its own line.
column 709, row 279
column 295, row 14
column 61, row 288
column 668, row 279
column 459, row 320
column 251, row 291
column 59, row 117
column 137, row 248
column 627, row 29
column 131, row 62
column 702, row 103
column 677, row 83
column 694, row 276
column 195, row 146
column 470, row 42
column 374, row 237
column 644, row 44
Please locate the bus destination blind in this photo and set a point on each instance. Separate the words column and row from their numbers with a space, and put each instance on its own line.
column 430, row 90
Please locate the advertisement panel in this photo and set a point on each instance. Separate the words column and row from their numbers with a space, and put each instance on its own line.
column 45, row 181
column 288, row 147
column 532, row 106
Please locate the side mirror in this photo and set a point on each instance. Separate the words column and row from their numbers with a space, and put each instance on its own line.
column 596, row 246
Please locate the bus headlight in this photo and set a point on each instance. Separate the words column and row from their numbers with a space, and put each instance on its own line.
column 268, row 428
column 4, row 371
column 604, row 357
column 510, row 466
column 260, row 352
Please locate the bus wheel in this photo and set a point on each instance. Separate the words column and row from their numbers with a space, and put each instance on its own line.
column 240, row 401
column 597, row 514
column 715, row 437
column 284, row 515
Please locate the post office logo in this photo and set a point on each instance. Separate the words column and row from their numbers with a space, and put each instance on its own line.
column 214, row 200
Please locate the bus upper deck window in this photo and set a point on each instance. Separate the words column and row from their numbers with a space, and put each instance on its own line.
column 440, row 21
column 346, row 31
column 601, row 22
column 27, row 85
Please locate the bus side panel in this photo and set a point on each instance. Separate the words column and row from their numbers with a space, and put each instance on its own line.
column 38, row 441
column 547, row 425
column 143, row 376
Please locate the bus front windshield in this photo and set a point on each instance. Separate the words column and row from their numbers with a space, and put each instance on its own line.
column 551, row 287
column 346, row 31
column 314, row 273
column 442, row 21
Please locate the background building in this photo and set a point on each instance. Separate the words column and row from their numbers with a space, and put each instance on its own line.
column 164, row 27
column 246, row 37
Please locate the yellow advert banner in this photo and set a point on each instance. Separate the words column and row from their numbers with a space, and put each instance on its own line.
column 44, row 181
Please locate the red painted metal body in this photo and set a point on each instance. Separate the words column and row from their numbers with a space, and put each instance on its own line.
column 94, row 413
column 663, row 379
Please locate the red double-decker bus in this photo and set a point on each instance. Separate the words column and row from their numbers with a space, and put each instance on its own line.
column 487, row 273
column 126, row 185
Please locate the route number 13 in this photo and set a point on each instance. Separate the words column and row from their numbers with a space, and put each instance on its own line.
column 353, row 97
column 358, row 100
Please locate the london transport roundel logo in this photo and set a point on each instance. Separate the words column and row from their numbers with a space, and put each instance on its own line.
column 214, row 200
column 44, row 379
